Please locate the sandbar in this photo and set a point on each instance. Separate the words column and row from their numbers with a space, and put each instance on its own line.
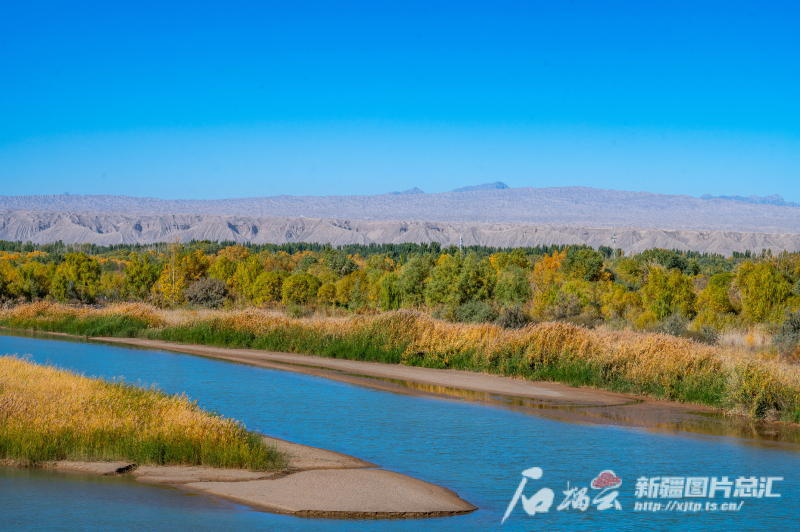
column 314, row 483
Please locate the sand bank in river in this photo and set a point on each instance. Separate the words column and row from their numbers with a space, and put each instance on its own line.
column 316, row 482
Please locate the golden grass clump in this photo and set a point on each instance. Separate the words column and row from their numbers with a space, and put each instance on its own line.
column 657, row 365
column 47, row 311
column 555, row 350
column 50, row 414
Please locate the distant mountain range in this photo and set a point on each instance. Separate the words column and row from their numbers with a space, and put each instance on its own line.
column 568, row 206
column 497, row 185
column 766, row 200
column 414, row 190
column 491, row 214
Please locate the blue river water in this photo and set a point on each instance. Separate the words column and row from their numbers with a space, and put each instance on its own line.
column 477, row 450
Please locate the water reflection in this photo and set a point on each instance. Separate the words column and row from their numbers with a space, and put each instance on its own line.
column 635, row 412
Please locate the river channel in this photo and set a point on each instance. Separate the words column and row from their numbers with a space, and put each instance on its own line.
column 477, row 450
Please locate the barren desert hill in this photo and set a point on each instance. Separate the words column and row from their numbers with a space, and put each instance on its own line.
column 563, row 206
column 118, row 228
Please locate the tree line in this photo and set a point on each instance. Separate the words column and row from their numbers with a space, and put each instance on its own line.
column 658, row 289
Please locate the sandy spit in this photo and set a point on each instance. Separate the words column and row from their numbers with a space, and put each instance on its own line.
column 315, row 483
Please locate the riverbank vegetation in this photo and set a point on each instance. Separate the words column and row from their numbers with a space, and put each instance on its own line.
column 740, row 376
column 48, row 414
column 722, row 331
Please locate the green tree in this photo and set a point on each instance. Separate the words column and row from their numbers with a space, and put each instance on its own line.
column 327, row 293
column 764, row 291
column 618, row 301
column 269, row 287
column 390, row 294
column 670, row 260
column 630, row 273
column 474, row 311
column 208, row 292
column 476, row 280
column 306, row 262
column 338, row 262
column 112, row 285
column 512, row 286
column 442, row 281
column 140, row 275
column 714, row 296
column 382, row 263
column 412, row 281
column 351, row 290
column 78, row 277
column 517, row 258
column 583, row 263
column 360, row 292
column 300, row 288
column 33, row 280
column 223, row 268
column 669, row 292
column 247, row 271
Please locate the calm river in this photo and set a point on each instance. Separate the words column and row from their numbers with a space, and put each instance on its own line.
column 474, row 449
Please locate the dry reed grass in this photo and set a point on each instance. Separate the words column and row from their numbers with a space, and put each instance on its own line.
column 753, row 339
column 46, row 311
column 52, row 414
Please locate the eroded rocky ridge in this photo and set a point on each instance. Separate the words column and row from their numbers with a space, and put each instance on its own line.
column 117, row 228
column 565, row 206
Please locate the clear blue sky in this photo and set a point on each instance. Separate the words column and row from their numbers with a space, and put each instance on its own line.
column 232, row 99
